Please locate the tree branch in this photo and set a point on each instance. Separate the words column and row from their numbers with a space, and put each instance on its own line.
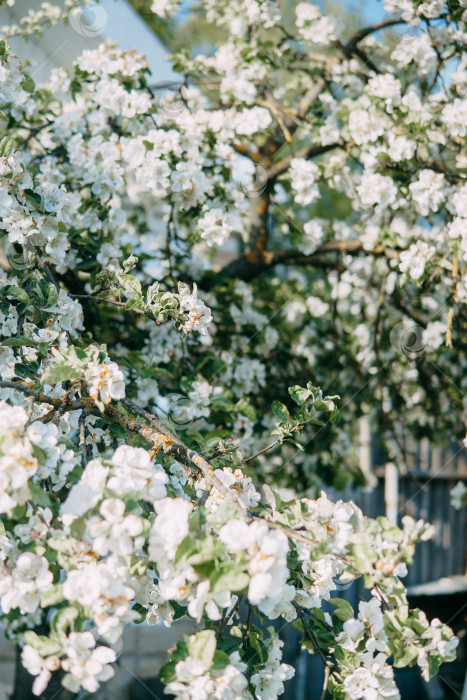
column 120, row 304
column 352, row 48
column 152, row 419
column 243, row 150
column 249, row 266
column 193, row 463
column 366, row 31
column 261, row 452
column 306, row 152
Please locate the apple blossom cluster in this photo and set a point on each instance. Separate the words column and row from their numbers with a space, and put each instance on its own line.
column 35, row 20
column 29, row 455
column 364, row 646
column 102, row 378
column 85, row 665
column 204, row 670
column 165, row 8
column 313, row 26
column 116, row 544
column 459, row 495
column 380, row 145
column 151, row 168
column 173, row 260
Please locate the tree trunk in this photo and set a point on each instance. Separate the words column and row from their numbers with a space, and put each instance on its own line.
column 23, row 685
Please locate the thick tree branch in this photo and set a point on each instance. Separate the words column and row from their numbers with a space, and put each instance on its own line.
column 249, row 266
column 366, row 31
column 352, row 48
column 193, row 463
column 243, row 150
column 306, row 152
column 134, row 408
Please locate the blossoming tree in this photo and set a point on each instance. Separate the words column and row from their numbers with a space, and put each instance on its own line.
column 181, row 268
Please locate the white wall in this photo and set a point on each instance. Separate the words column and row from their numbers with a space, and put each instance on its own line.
column 108, row 19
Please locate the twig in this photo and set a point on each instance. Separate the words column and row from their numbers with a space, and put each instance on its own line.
column 82, row 438
column 93, row 297
column 120, row 304
column 228, row 617
column 312, row 637
column 265, row 449
column 46, row 268
column 30, row 410
column 327, row 673
column 455, row 277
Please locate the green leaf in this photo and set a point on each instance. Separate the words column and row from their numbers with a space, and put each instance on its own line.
column 364, row 556
column 44, row 645
column 40, row 454
column 53, row 596
column 137, row 607
column 280, row 411
column 167, row 672
column 344, row 611
column 228, row 645
column 134, row 304
column 19, row 341
column 60, row 372
column 39, row 495
column 181, row 651
column 19, row 512
column 53, row 295
column 75, row 475
column 199, row 551
column 220, row 660
column 316, row 421
column 295, row 443
column 78, row 528
column 186, row 547
column 63, row 621
column 244, row 407
column 321, row 405
column 130, row 284
column 28, row 83
column 299, row 394
column 228, row 578
column 6, row 146
column 179, row 610
column 17, row 292
column 202, row 646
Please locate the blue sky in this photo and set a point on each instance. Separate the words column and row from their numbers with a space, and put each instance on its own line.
column 373, row 10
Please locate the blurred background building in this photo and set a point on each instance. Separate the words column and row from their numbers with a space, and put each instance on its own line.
column 60, row 45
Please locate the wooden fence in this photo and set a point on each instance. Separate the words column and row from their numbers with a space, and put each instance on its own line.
column 420, row 487
column 423, row 489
